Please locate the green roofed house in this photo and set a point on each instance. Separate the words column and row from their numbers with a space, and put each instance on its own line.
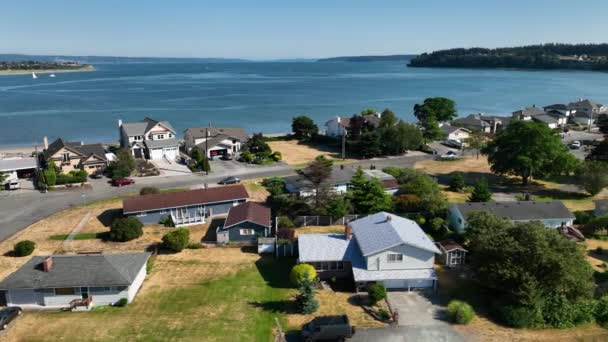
column 76, row 282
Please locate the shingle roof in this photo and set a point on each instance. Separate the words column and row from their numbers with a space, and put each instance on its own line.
column 449, row 245
column 184, row 198
column 557, row 106
column 85, row 150
column 142, row 127
column 250, row 212
column 371, row 119
column 382, row 230
column 472, row 120
column 447, row 129
column 232, row 132
column 151, row 144
column 529, row 111
column 519, row 210
column 326, row 247
column 78, row 270
column 548, row 119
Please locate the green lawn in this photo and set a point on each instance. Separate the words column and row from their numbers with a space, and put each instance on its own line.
column 240, row 307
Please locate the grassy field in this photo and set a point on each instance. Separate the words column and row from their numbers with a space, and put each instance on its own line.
column 297, row 154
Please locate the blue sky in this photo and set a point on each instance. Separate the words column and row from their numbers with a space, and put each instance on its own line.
column 260, row 29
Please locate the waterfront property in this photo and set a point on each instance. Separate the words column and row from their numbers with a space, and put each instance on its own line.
column 339, row 125
column 339, row 181
column 149, row 139
column 245, row 223
column 382, row 247
column 185, row 207
column 216, row 141
column 481, row 123
column 69, row 156
column 75, row 281
column 452, row 253
column 553, row 214
column 455, row 133
column 18, row 168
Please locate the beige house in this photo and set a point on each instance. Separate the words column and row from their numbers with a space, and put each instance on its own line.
column 69, row 156
column 216, row 140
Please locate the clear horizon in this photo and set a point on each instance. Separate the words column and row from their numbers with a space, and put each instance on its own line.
column 272, row 29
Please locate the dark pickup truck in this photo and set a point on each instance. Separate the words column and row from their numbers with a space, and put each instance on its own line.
column 328, row 328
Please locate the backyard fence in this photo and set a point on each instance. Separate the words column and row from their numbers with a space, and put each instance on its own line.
column 318, row 220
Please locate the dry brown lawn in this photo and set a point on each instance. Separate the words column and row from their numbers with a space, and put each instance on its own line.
column 257, row 192
column 299, row 154
column 468, row 164
column 319, row 229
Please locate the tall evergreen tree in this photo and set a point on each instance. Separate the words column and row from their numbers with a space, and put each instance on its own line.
column 368, row 195
column 481, row 192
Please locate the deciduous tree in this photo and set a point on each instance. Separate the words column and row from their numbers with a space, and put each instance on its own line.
column 303, row 127
column 317, row 172
column 481, row 192
column 592, row 176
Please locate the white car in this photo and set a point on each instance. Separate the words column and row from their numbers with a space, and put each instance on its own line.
column 13, row 184
column 575, row 145
column 450, row 155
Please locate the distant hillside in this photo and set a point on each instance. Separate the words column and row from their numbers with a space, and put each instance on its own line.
column 368, row 58
column 112, row 60
column 547, row 56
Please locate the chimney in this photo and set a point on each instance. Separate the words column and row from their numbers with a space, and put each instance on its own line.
column 388, row 218
column 46, row 142
column 47, row 264
column 119, row 123
column 348, row 232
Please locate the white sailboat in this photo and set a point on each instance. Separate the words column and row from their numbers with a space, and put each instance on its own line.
column 34, row 75
column 52, row 75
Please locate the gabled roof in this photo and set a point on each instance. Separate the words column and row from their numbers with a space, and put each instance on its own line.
column 230, row 132
column 143, row 127
column 326, row 247
column 184, row 198
column 381, row 231
column 557, row 106
column 449, row 245
column 472, row 120
column 529, row 111
column 585, row 104
column 519, row 210
column 78, row 270
column 83, row 150
column 371, row 119
column 447, row 129
column 548, row 119
column 248, row 212
column 151, row 144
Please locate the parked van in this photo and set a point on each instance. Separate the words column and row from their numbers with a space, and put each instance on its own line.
column 333, row 328
column 13, row 184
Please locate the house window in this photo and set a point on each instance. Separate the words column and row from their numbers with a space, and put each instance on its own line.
column 66, row 157
column 120, row 288
column 170, row 135
column 160, row 136
column 100, row 289
column 163, row 212
column 143, row 213
column 65, row 291
column 247, row 232
column 392, row 258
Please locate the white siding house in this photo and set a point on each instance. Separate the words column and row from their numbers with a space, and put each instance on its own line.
column 149, row 139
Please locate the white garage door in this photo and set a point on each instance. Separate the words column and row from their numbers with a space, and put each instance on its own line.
column 405, row 284
column 156, row 154
column 171, row 153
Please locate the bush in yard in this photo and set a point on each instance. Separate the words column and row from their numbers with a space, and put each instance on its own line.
column 50, row 176
column 194, row 245
column 126, row 229
column 376, row 293
column 460, row 312
column 385, row 315
column 601, row 310
column 285, row 222
column 149, row 190
column 457, row 182
column 122, row 302
column 276, row 156
column 519, row 316
column 176, row 240
column 301, row 272
column 24, row 248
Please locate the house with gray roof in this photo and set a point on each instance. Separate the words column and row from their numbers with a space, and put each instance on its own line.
column 601, row 207
column 382, row 247
column 149, row 139
column 553, row 214
column 339, row 125
column 481, row 123
column 216, row 141
column 75, row 281
column 69, row 156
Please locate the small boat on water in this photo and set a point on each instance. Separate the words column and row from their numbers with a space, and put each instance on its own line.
column 52, row 75
column 34, row 75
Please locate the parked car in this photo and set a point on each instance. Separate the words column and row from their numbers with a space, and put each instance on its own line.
column 331, row 328
column 226, row 157
column 453, row 143
column 13, row 184
column 8, row 315
column 123, row 182
column 96, row 175
column 230, row 180
column 450, row 155
column 575, row 145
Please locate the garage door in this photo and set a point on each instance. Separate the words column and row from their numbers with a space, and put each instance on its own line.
column 221, row 152
column 394, row 284
column 171, row 153
column 22, row 297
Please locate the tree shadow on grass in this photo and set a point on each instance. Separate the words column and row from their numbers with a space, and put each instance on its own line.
column 277, row 306
column 210, row 235
column 107, row 217
column 275, row 271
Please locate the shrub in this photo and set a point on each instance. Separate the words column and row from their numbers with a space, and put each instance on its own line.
column 50, row 176
column 276, row 156
column 149, row 190
column 122, row 302
column 460, row 312
column 385, row 315
column 457, row 182
column 376, row 293
column 285, row 222
column 246, row 157
column 583, row 217
column 195, row 245
column 176, row 240
column 24, row 248
column 300, row 272
column 601, row 310
column 584, row 311
column 558, row 312
column 522, row 316
column 126, row 229
column 167, row 221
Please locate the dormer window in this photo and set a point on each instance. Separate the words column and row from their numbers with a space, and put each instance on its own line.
column 66, row 157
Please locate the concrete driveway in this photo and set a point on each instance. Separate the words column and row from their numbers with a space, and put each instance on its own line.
column 420, row 319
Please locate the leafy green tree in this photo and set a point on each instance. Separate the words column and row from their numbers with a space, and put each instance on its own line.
column 410, row 136
column 126, row 229
column 592, row 176
column 305, row 300
column 481, row 192
column 368, row 195
column 599, row 152
column 338, row 206
column 413, row 182
column 3, row 178
column 602, row 123
column 399, row 138
column 197, row 155
column 457, row 182
column 303, row 127
column 246, row 157
column 301, row 272
column 123, row 166
column 439, row 108
column 317, row 173
column 369, row 145
column 521, row 266
column 368, row 111
column 50, row 176
column 376, row 292
column 528, row 149
column 176, row 240
column 430, row 129
column 257, row 144
column 388, row 119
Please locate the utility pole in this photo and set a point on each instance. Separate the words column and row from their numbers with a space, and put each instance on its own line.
column 344, row 143
column 207, row 148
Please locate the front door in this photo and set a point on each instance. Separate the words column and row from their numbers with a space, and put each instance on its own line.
column 137, row 153
column 84, row 291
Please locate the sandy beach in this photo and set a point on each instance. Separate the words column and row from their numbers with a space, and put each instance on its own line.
column 45, row 71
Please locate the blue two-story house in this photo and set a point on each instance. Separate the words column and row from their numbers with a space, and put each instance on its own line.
column 185, row 207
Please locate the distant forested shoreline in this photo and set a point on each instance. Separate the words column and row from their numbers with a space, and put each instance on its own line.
column 546, row 57
column 368, row 58
column 40, row 66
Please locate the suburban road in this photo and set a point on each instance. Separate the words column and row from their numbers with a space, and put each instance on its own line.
column 19, row 210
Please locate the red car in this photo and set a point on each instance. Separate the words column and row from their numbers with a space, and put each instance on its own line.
column 124, row 181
